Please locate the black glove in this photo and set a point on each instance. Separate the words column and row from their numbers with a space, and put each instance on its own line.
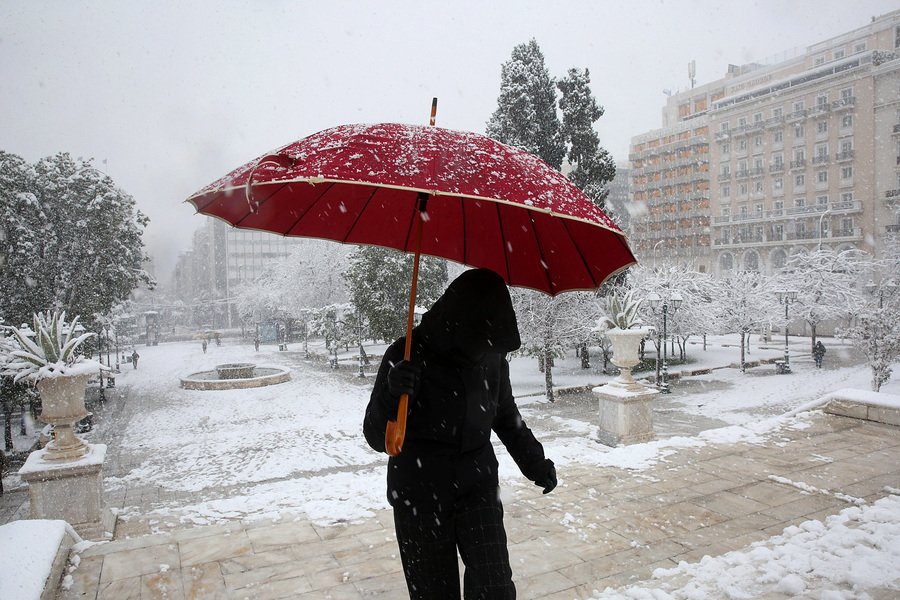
column 402, row 378
column 547, row 479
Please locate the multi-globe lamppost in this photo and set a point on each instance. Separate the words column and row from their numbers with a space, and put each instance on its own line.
column 786, row 297
column 670, row 302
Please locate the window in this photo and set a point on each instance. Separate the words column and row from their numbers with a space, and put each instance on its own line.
column 799, row 203
column 847, row 173
column 758, row 207
column 838, row 54
column 846, row 121
column 847, row 226
column 743, row 189
column 723, row 127
column 726, row 262
column 742, row 166
column 778, row 184
column 757, row 165
column 822, row 102
column 778, row 160
column 859, row 47
column 779, row 257
column 726, row 211
column 751, row 261
column 799, row 155
column 822, row 201
column 759, row 187
column 799, row 181
column 799, row 131
column 726, row 193
column 744, row 212
column 742, row 145
column 820, row 60
column 742, row 122
column 726, row 148
column 757, row 117
column 798, row 106
column 846, row 93
column 847, row 199
column 822, row 128
column 779, row 137
column 777, row 113
column 822, row 177
column 778, row 205
column 726, row 170
column 757, row 141
column 822, row 150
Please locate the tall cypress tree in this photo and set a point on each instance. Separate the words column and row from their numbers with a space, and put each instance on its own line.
column 526, row 108
column 592, row 166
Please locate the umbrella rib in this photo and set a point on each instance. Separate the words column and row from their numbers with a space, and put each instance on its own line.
column 580, row 255
column 308, row 208
column 255, row 209
column 503, row 243
column 544, row 264
column 359, row 215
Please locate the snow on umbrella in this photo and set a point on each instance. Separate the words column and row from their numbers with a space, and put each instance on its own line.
column 424, row 189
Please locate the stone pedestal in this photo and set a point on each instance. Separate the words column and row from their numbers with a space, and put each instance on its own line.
column 626, row 413
column 71, row 491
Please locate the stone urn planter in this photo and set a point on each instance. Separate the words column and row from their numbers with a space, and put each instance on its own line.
column 625, row 406
column 62, row 405
column 626, row 345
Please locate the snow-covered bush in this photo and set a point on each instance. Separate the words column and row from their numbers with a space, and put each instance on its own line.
column 53, row 352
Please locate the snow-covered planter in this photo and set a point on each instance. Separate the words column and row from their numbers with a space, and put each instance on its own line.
column 626, row 345
column 51, row 362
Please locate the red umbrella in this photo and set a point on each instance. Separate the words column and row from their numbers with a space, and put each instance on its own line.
column 480, row 202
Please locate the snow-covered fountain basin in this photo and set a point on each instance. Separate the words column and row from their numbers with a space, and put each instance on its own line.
column 236, row 376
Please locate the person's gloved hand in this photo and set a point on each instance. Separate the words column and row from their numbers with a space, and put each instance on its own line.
column 547, row 479
column 402, row 378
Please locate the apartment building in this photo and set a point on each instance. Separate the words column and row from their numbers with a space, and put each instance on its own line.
column 776, row 159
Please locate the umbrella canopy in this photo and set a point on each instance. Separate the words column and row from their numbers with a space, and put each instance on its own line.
column 489, row 205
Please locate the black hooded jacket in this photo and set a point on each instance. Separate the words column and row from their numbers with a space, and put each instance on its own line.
column 462, row 395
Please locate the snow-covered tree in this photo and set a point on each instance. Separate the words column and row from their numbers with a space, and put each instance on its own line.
column 379, row 281
column 73, row 239
column 549, row 326
column 826, row 282
column 877, row 332
column 592, row 166
column 748, row 303
column 526, row 108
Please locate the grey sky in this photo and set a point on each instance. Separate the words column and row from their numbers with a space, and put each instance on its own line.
column 167, row 96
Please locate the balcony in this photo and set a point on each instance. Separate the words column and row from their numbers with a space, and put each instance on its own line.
column 845, row 155
column 724, row 177
column 892, row 228
column 742, row 174
column 820, row 159
column 897, row 128
column 776, row 168
column 798, row 164
column 844, row 103
column 797, row 115
column 775, row 122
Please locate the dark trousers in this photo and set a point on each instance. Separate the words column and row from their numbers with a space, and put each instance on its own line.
column 429, row 536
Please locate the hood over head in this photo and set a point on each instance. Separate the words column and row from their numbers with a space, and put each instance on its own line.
column 474, row 315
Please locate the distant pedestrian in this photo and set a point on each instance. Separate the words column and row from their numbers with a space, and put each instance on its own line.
column 134, row 358
column 204, row 344
column 256, row 344
column 819, row 353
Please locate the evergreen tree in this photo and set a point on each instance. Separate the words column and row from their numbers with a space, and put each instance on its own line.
column 592, row 166
column 526, row 108
column 379, row 280
column 72, row 239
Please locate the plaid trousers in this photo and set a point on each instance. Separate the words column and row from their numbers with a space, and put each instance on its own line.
column 430, row 533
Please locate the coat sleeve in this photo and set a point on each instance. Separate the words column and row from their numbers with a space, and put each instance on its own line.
column 515, row 434
column 378, row 412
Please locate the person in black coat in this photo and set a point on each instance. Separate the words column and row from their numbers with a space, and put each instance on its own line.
column 443, row 486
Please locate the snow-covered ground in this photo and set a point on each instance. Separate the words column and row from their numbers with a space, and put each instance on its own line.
column 297, row 448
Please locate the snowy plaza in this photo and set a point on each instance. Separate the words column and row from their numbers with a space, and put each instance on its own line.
column 272, row 492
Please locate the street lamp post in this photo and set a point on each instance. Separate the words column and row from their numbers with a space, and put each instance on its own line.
column 786, row 297
column 672, row 302
column 827, row 212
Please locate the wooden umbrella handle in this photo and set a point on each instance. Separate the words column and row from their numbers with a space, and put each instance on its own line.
column 395, row 432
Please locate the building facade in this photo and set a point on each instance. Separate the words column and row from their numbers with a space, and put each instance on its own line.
column 776, row 159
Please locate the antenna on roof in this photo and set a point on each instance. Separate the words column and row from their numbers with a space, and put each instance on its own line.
column 692, row 72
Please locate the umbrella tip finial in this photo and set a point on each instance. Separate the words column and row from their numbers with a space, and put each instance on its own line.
column 433, row 111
